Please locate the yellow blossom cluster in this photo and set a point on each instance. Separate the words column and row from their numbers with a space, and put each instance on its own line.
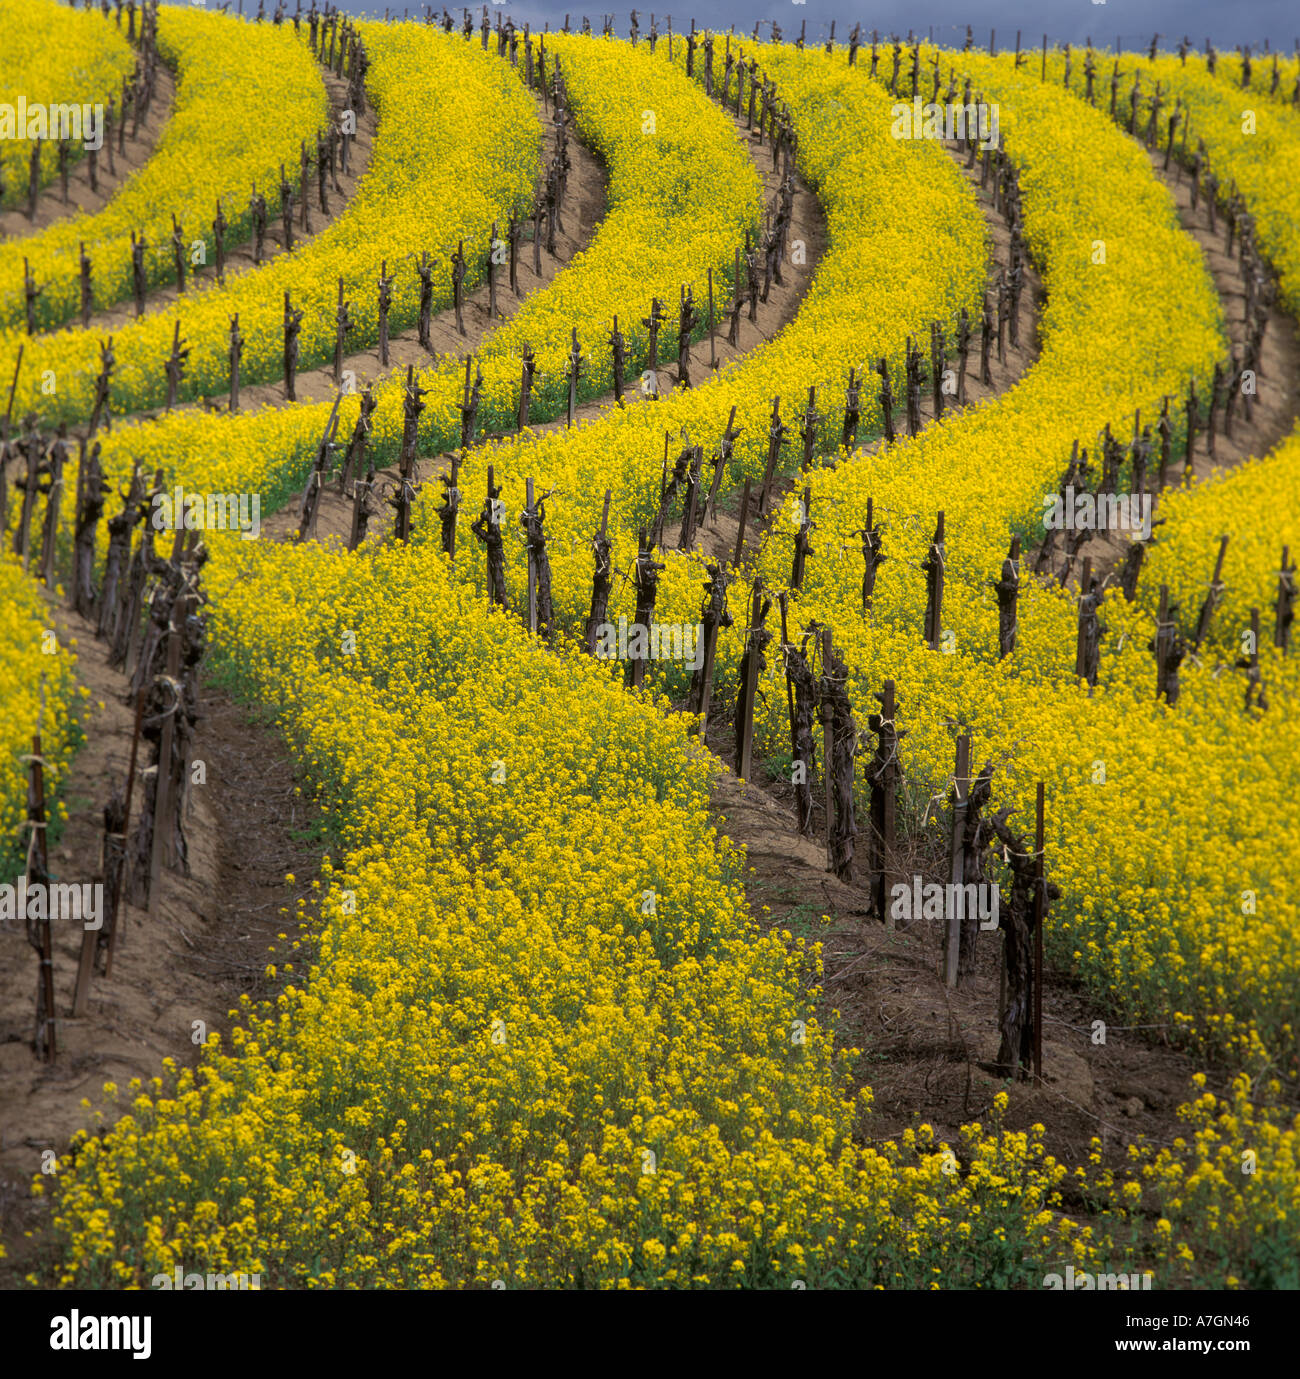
column 1252, row 143
column 906, row 247
column 681, row 194
column 1176, row 913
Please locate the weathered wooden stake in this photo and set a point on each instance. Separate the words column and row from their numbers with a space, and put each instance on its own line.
column 957, row 857
column 934, row 567
column 532, row 568
column 745, row 728
column 740, row 533
column 1039, row 898
column 47, row 1042
column 828, row 752
column 1212, row 596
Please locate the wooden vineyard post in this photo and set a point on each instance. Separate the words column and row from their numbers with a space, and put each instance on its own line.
column 801, row 694
column 776, row 434
column 957, row 858
column 745, row 725
column 646, row 580
column 601, row 579
column 342, row 326
column 487, row 528
column 1008, row 592
column 852, row 412
column 528, row 367
column 491, row 272
column 292, row 328
column 512, row 230
column 802, row 540
column 1039, row 898
column 784, row 600
column 532, row 566
column 55, row 461
column 362, row 485
column 87, row 293
column 1168, row 647
column 236, row 355
column 316, row 479
column 574, row 373
column 174, row 367
column 1250, row 662
column 808, row 429
column 690, row 506
column 354, row 456
column 385, row 304
column 162, row 813
column 450, row 510
column 729, row 438
column 1081, row 641
column 715, row 615
column 618, row 353
column 738, row 294
column 38, row 873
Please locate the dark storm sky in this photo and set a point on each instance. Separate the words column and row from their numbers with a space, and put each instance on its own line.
column 1071, row 21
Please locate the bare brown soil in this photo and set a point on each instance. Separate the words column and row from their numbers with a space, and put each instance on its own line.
column 82, row 197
